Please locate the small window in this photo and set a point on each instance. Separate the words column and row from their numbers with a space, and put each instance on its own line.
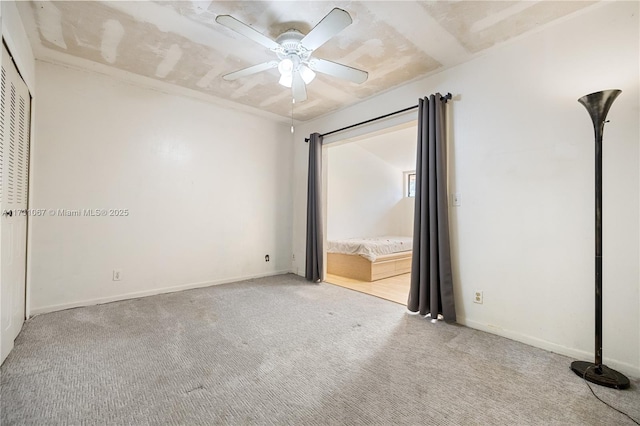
column 410, row 184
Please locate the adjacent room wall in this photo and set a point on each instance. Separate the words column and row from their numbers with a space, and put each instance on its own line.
column 204, row 192
column 364, row 195
column 521, row 152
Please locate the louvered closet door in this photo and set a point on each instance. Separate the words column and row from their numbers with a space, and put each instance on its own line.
column 15, row 105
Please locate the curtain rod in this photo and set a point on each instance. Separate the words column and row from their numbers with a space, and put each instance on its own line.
column 445, row 98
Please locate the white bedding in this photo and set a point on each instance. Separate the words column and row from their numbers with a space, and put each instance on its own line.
column 370, row 248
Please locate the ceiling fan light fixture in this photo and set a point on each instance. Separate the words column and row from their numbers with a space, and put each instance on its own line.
column 285, row 67
column 286, row 80
column 307, row 74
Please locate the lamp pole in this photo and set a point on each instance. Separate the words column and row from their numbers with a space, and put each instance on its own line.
column 598, row 105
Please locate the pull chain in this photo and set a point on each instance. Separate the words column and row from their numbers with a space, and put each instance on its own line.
column 293, row 101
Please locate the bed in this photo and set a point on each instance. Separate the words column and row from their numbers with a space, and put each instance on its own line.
column 369, row 259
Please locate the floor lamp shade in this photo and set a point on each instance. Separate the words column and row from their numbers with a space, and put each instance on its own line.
column 598, row 105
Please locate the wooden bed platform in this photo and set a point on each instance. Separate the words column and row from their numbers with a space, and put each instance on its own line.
column 357, row 267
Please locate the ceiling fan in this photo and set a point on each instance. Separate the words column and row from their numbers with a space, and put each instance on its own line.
column 294, row 50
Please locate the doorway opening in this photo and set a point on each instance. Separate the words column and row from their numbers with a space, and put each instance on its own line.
column 369, row 212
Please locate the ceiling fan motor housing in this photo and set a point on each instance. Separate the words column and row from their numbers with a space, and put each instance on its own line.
column 290, row 45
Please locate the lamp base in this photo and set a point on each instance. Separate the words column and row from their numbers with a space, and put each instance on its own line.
column 603, row 376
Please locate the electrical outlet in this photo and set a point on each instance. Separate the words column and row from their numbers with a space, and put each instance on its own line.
column 293, row 256
column 477, row 297
column 455, row 199
column 117, row 275
column 266, row 257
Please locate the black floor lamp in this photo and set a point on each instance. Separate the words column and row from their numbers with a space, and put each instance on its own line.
column 598, row 104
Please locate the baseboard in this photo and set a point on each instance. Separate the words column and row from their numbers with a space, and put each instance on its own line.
column 578, row 354
column 153, row 292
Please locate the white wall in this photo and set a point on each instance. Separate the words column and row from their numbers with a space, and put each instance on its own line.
column 405, row 216
column 364, row 194
column 522, row 160
column 208, row 191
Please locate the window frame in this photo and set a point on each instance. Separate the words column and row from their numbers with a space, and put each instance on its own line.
column 406, row 179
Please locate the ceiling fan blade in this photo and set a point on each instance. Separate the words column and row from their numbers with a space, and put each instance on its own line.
column 244, row 29
column 250, row 70
column 338, row 70
column 298, row 88
column 335, row 21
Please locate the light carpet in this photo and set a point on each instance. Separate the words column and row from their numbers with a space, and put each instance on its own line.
column 278, row 350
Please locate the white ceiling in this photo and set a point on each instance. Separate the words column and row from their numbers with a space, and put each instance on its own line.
column 179, row 42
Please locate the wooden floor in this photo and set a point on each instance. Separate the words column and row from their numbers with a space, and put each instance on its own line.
column 395, row 288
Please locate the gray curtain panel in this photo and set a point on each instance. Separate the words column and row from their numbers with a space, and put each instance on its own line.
column 314, row 267
column 431, row 280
